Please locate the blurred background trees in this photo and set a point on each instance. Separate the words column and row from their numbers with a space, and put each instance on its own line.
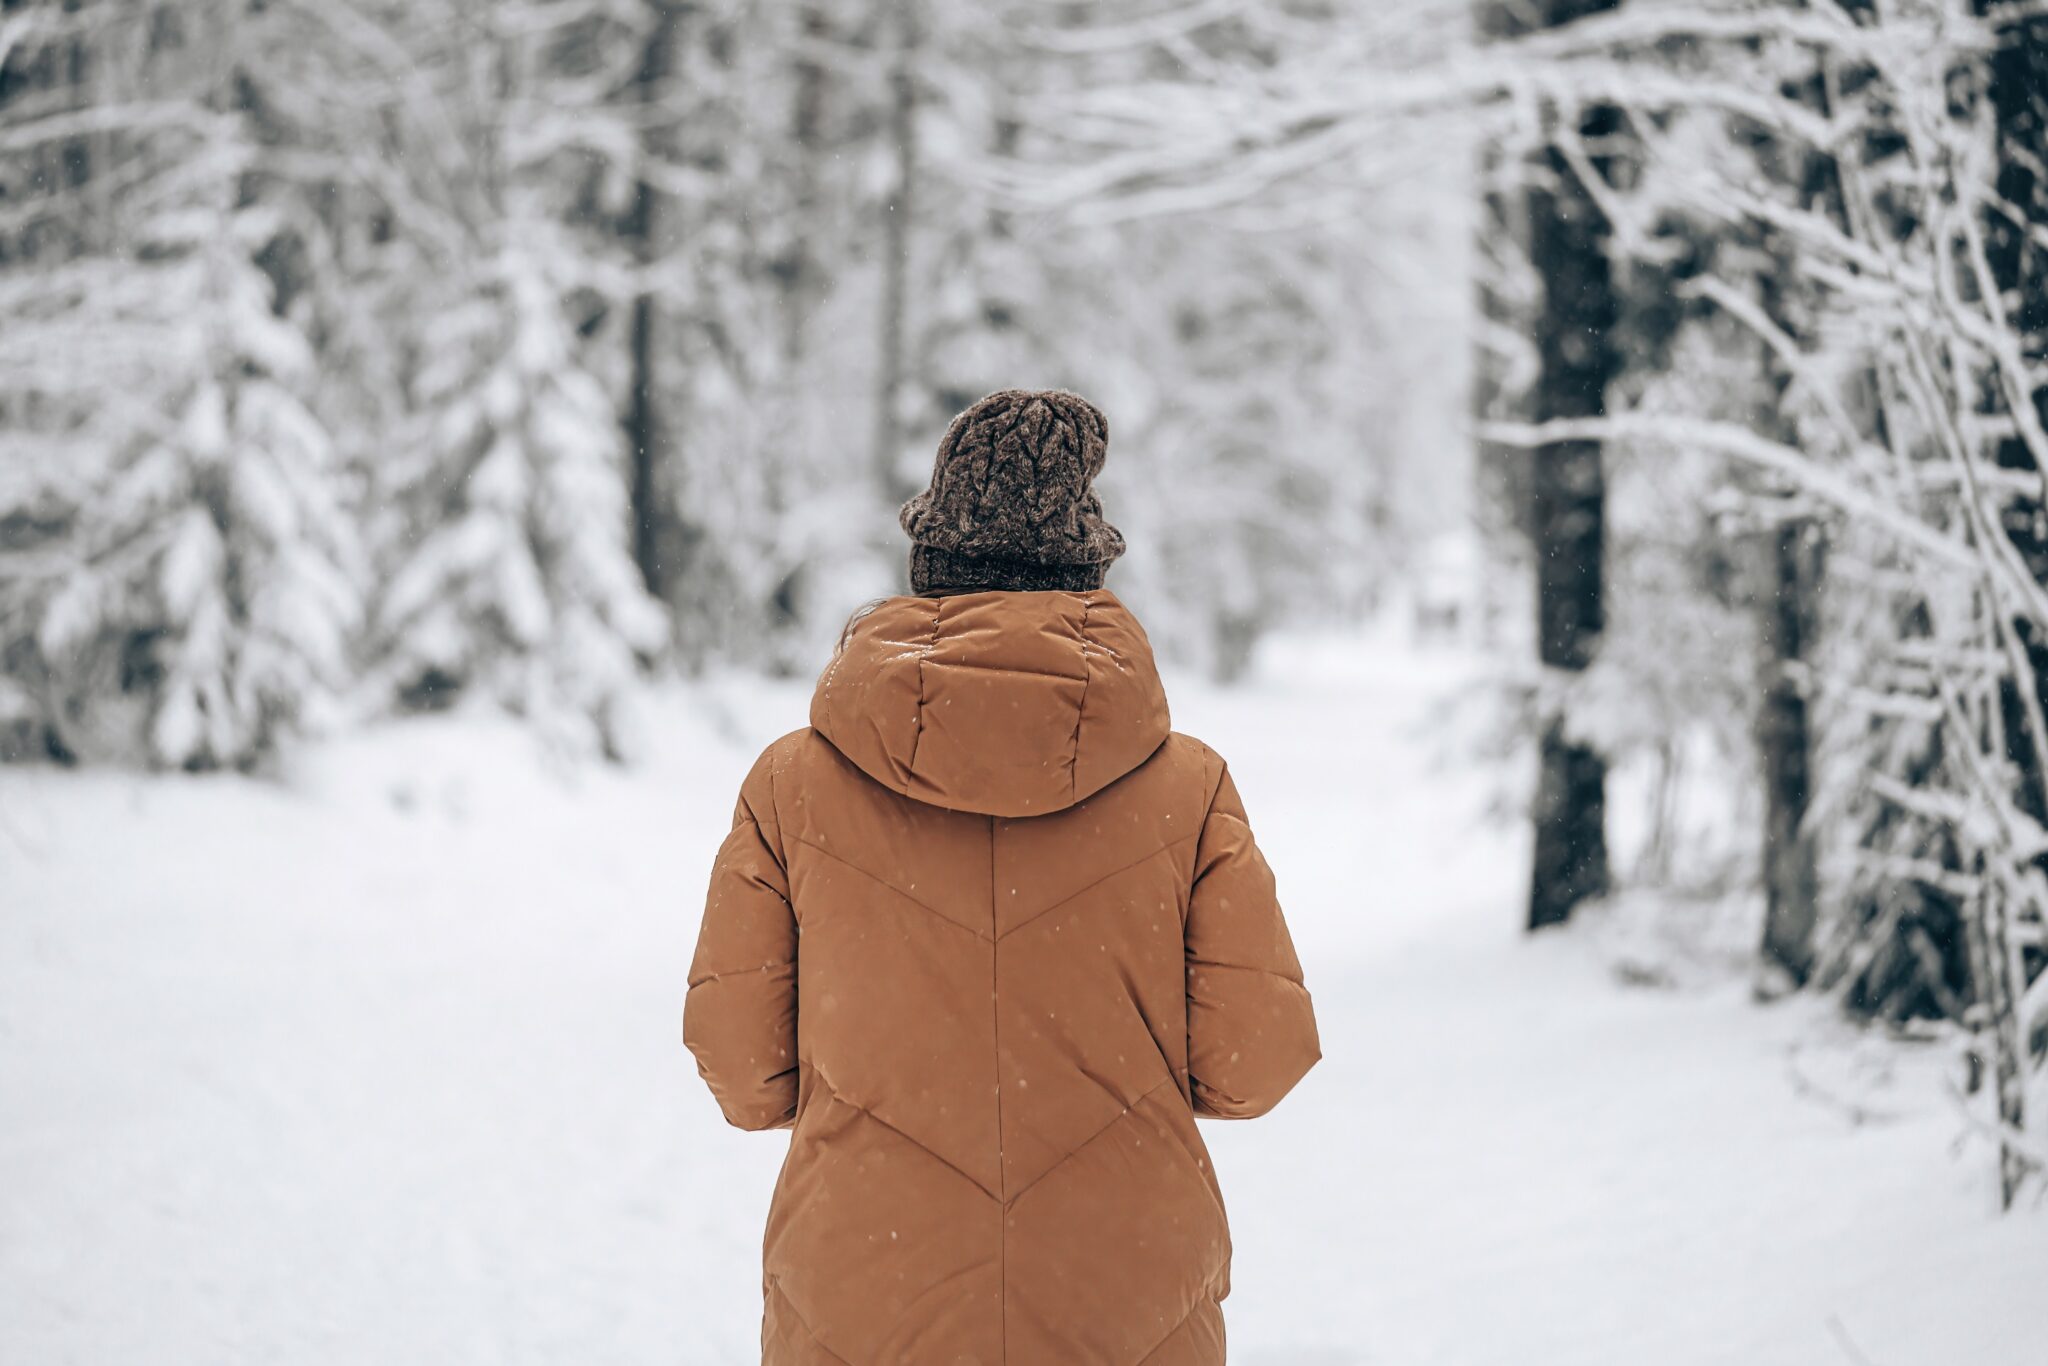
column 359, row 356
column 371, row 355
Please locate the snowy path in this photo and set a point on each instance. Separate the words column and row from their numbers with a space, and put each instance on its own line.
column 382, row 1067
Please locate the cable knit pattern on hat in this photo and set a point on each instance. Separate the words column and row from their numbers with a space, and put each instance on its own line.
column 1012, row 503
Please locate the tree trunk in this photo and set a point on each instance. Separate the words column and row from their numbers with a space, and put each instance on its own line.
column 1567, row 247
column 1791, row 879
column 2018, row 263
column 649, row 439
column 1789, row 617
column 896, row 226
column 2018, row 260
column 796, row 271
column 1995, row 1005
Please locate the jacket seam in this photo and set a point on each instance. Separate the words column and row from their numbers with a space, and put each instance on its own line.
column 884, row 882
column 1203, row 1297
column 775, row 819
column 833, row 1093
column 1080, row 711
column 1080, row 891
column 1008, row 669
column 775, row 1284
column 1154, row 1089
column 995, row 1005
column 1215, row 788
column 705, row 979
column 1301, row 982
column 825, row 689
column 1239, row 821
column 1209, row 813
column 768, row 832
column 923, row 658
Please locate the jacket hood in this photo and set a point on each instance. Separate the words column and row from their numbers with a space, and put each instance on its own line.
column 1005, row 704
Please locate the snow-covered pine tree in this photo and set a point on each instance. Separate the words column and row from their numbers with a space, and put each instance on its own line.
column 221, row 559
column 184, row 581
column 518, row 576
column 211, row 578
column 463, row 201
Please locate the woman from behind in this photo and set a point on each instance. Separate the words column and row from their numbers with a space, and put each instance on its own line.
column 987, row 936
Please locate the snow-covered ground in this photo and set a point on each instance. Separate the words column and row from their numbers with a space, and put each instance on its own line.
column 380, row 1065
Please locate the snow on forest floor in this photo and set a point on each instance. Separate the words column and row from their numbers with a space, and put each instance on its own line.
column 381, row 1065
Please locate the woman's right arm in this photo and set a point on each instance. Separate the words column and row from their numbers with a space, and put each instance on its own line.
column 739, row 1018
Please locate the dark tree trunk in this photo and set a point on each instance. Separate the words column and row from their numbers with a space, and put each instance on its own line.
column 649, row 428
column 1570, row 863
column 2019, row 262
column 896, row 228
column 646, row 440
column 1987, row 931
column 796, row 270
column 1789, row 615
column 2019, row 266
column 1791, row 879
column 1567, row 247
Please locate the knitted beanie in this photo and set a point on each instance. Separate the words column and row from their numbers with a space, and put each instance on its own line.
column 1012, row 502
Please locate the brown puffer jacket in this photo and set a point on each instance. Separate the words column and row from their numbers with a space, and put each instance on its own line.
column 989, row 936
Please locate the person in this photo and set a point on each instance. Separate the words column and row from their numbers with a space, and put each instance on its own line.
column 987, row 936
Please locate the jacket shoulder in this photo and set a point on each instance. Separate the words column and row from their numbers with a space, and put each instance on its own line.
column 786, row 751
column 1196, row 760
column 774, row 768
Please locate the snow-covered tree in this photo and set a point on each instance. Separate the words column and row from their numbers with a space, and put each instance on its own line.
column 1893, row 330
column 219, row 559
column 185, row 581
column 517, row 573
column 1905, row 428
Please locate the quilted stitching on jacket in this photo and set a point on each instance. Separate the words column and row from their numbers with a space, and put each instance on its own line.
column 987, row 937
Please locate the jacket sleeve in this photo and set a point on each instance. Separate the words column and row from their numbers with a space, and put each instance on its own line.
column 1251, row 1028
column 739, row 1018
